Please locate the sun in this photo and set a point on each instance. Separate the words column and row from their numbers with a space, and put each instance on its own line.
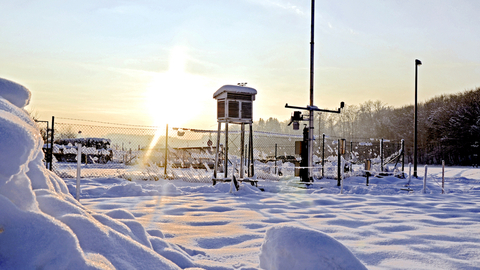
column 171, row 95
column 174, row 97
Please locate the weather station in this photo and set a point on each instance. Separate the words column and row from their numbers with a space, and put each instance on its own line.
column 234, row 106
column 305, row 147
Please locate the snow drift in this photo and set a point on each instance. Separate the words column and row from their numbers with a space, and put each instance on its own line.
column 41, row 225
column 289, row 247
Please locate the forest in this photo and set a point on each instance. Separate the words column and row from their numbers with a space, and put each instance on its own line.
column 448, row 126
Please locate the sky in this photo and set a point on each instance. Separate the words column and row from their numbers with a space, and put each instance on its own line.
column 159, row 62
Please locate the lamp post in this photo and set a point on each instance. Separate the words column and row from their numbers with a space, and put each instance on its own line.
column 417, row 63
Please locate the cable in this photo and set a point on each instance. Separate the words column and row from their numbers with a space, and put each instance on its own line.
column 117, row 124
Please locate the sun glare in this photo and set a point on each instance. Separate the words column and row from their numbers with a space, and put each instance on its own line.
column 171, row 95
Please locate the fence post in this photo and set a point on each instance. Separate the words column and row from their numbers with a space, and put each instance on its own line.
column 52, row 138
column 275, row 159
column 403, row 154
column 339, row 176
column 368, row 167
column 323, row 156
column 215, row 168
column 443, row 176
column 425, row 181
column 341, row 183
column 409, row 174
column 79, row 164
column 252, row 162
column 381, row 155
column 166, row 152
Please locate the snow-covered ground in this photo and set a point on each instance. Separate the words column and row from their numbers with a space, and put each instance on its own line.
column 384, row 226
column 174, row 224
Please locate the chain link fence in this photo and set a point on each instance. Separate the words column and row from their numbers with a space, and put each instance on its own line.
column 152, row 153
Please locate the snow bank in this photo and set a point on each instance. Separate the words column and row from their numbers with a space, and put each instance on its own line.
column 15, row 93
column 43, row 226
column 289, row 247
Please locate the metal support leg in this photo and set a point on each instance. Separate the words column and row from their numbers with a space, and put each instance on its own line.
column 225, row 173
column 242, row 150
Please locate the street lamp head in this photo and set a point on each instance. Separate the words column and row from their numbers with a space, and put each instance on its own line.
column 418, row 62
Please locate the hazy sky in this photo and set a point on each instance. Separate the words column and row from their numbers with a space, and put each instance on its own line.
column 157, row 62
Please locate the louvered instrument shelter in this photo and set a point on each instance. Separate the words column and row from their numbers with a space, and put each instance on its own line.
column 234, row 106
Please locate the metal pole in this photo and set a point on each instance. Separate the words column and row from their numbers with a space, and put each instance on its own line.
column 443, row 176
column 417, row 62
column 425, row 181
column 166, row 151
column 225, row 172
column 312, row 47
column 248, row 158
column 310, row 121
column 242, row 142
column 252, row 162
column 339, row 175
column 52, row 138
column 403, row 155
column 323, row 155
column 381, row 155
column 275, row 159
column 217, row 150
column 79, row 164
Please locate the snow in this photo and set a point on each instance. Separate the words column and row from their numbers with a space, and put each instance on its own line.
column 235, row 89
column 289, row 247
column 174, row 224
column 15, row 93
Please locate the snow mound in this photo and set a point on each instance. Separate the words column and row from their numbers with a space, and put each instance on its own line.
column 15, row 93
column 289, row 247
column 43, row 226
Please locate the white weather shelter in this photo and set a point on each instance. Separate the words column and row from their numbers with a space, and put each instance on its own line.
column 234, row 106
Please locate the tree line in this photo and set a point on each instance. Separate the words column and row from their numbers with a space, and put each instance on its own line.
column 448, row 126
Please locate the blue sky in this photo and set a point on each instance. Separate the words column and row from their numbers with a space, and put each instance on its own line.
column 157, row 62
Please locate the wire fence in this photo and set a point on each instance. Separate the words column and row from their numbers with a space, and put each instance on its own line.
column 152, row 153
